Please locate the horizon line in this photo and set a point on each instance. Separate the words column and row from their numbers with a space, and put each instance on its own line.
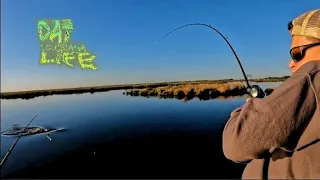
column 144, row 83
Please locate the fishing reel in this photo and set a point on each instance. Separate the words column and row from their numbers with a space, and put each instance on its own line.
column 255, row 91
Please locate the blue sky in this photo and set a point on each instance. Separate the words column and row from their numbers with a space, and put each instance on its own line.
column 122, row 33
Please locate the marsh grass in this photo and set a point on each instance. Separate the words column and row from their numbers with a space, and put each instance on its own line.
column 188, row 91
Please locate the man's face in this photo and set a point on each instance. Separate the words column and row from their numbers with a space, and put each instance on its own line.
column 311, row 53
column 297, row 41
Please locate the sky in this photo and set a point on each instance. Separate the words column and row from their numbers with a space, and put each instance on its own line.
column 123, row 35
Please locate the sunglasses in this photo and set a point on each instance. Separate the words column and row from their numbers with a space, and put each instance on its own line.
column 297, row 53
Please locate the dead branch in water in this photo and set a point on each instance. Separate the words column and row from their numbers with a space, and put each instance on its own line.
column 14, row 144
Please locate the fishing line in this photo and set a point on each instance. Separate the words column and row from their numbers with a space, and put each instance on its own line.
column 212, row 28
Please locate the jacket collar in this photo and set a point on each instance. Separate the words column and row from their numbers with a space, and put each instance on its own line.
column 309, row 67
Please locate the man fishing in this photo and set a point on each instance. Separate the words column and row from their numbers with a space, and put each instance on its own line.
column 278, row 136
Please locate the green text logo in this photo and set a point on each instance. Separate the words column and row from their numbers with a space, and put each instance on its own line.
column 57, row 48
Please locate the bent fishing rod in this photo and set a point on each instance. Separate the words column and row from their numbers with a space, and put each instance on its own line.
column 254, row 90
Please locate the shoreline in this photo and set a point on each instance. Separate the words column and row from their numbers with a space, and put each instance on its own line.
column 80, row 90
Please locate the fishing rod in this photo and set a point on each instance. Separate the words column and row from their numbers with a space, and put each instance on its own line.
column 14, row 144
column 254, row 90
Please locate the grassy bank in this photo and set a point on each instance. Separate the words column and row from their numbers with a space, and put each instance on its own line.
column 80, row 90
column 189, row 91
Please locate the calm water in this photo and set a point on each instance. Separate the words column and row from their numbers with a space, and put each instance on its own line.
column 109, row 135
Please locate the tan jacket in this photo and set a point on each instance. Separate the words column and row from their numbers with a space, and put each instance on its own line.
column 278, row 135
